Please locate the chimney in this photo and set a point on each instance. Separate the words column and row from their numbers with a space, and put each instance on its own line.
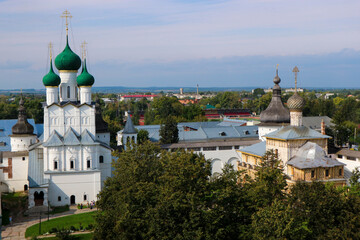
column 322, row 127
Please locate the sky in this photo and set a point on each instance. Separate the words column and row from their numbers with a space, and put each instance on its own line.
column 181, row 43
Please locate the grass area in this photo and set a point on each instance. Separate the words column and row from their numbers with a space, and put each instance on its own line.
column 13, row 196
column 13, row 204
column 75, row 220
column 85, row 236
column 60, row 209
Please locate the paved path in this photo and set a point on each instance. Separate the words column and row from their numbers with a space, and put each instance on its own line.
column 16, row 231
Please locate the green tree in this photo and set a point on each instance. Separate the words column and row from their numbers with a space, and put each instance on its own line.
column 154, row 194
column 258, row 92
column 229, row 215
column 311, row 211
column 169, row 132
column 270, row 181
column 355, row 181
column 142, row 136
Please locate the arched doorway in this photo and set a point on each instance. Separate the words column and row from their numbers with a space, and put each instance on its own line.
column 72, row 199
column 39, row 198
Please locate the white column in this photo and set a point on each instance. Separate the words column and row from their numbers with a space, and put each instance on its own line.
column 296, row 118
column 85, row 94
column 52, row 95
column 68, row 85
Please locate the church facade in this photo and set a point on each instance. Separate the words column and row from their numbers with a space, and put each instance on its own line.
column 302, row 151
column 73, row 158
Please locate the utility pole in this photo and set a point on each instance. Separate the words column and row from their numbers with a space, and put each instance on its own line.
column 40, row 223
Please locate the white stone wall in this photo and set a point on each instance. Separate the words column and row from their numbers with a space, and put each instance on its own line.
column 22, row 142
column 219, row 158
column 62, row 118
column 295, row 118
column 85, row 95
column 19, row 173
column 52, row 95
column 103, row 137
column 68, row 81
column 64, row 185
column 263, row 130
column 31, row 196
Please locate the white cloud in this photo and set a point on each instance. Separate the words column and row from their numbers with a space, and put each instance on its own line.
column 165, row 31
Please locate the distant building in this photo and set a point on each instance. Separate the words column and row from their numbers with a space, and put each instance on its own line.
column 136, row 97
column 213, row 113
column 351, row 159
column 108, row 100
column 217, row 140
column 291, row 90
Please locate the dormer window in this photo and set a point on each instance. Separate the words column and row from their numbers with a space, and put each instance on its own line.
column 246, row 132
column 222, row 133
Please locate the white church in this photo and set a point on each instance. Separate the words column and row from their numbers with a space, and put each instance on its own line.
column 72, row 158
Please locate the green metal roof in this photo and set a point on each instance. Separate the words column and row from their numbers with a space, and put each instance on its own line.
column 51, row 79
column 85, row 78
column 67, row 59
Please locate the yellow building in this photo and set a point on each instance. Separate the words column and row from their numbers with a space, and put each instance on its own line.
column 302, row 151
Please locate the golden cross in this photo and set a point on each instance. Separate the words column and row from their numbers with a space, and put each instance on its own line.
column 83, row 50
column 50, row 50
column 66, row 15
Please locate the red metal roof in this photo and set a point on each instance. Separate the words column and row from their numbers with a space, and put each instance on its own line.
column 138, row 96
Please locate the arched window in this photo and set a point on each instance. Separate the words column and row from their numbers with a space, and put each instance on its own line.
column 127, row 140
column 59, row 198
column 56, row 165
column 25, row 187
column 68, row 91
column 72, row 164
column 88, row 163
column 101, row 159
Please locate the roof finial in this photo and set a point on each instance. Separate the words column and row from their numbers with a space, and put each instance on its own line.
column 295, row 71
column 50, row 50
column 277, row 69
column 66, row 15
column 83, row 50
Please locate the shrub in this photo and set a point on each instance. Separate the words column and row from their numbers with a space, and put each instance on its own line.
column 64, row 234
column 90, row 227
column 53, row 230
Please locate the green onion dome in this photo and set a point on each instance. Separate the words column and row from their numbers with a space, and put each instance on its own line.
column 85, row 78
column 51, row 79
column 67, row 59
